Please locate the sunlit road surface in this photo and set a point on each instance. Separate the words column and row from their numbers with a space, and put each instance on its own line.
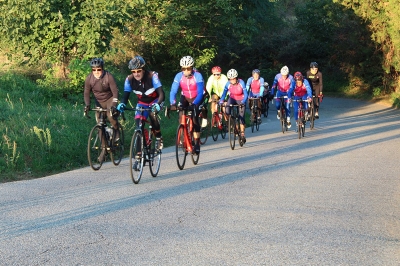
column 330, row 198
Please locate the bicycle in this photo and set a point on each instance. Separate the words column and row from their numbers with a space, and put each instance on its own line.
column 184, row 142
column 282, row 113
column 144, row 149
column 234, row 126
column 102, row 141
column 301, row 118
column 203, row 130
column 311, row 115
column 218, row 123
column 255, row 113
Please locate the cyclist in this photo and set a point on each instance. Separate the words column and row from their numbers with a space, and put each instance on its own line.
column 192, row 87
column 315, row 79
column 283, row 81
column 147, row 87
column 105, row 91
column 237, row 95
column 301, row 90
column 255, row 87
column 215, row 86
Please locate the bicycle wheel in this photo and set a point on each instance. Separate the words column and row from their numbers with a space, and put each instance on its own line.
column 204, row 133
column 266, row 107
column 258, row 122
column 214, row 126
column 283, row 120
column 299, row 126
column 312, row 116
column 154, row 157
column 136, row 158
column 224, row 127
column 94, row 148
column 118, row 147
column 195, row 157
column 232, row 133
column 180, row 147
column 303, row 128
column 253, row 120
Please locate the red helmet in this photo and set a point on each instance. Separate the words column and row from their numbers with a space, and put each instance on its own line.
column 298, row 76
column 216, row 69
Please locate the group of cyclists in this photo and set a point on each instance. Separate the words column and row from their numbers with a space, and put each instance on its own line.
column 225, row 90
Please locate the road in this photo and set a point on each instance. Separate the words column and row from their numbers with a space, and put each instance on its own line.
column 332, row 198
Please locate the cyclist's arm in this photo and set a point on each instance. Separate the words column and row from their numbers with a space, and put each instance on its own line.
column 320, row 82
column 261, row 86
column 209, row 84
column 226, row 88
column 127, row 91
column 245, row 94
column 308, row 88
column 274, row 84
column 86, row 92
column 248, row 83
column 174, row 88
column 200, row 88
column 161, row 95
column 113, row 87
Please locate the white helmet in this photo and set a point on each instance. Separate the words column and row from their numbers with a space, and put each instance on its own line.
column 187, row 61
column 232, row 73
column 285, row 70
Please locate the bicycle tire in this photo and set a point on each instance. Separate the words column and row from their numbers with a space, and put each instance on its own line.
column 224, row 128
column 232, row 133
column 214, row 126
column 94, row 148
column 195, row 156
column 312, row 116
column 299, row 126
column 266, row 107
column 180, row 147
column 135, row 148
column 258, row 122
column 253, row 121
column 118, row 147
column 283, row 119
column 303, row 128
column 204, row 133
column 154, row 157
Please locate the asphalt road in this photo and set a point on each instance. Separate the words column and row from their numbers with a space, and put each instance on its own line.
column 332, row 198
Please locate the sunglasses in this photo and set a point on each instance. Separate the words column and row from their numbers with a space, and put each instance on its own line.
column 97, row 69
column 217, row 74
column 186, row 69
column 136, row 71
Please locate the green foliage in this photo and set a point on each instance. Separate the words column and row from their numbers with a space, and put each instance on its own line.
column 78, row 70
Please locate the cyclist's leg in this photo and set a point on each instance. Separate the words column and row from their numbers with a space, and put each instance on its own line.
column 278, row 104
column 242, row 121
column 155, row 124
column 196, row 129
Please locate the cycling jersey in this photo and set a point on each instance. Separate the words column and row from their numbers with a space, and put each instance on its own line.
column 315, row 81
column 300, row 91
column 103, row 88
column 216, row 86
column 256, row 87
column 145, row 89
column 192, row 87
column 236, row 91
column 283, row 84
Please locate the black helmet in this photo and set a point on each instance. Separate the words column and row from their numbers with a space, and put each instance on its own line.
column 255, row 71
column 313, row 65
column 136, row 63
column 97, row 62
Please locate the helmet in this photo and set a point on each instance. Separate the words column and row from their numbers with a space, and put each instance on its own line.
column 313, row 65
column 255, row 71
column 216, row 69
column 298, row 76
column 285, row 70
column 136, row 63
column 187, row 61
column 97, row 62
column 232, row 73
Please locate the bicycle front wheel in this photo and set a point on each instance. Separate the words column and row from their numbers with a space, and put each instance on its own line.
column 258, row 122
column 224, row 128
column 95, row 152
column 118, row 146
column 232, row 133
column 253, row 118
column 266, row 107
column 214, row 126
column 136, row 157
column 154, row 157
column 180, row 147
column 312, row 116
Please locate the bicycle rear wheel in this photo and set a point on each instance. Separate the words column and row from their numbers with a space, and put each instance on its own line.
column 136, row 157
column 118, row 147
column 180, row 147
column 95, row 152
column 195, row 156
column 232, row 132
column 204, row 133
column 214, row 126
column 154, row 157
